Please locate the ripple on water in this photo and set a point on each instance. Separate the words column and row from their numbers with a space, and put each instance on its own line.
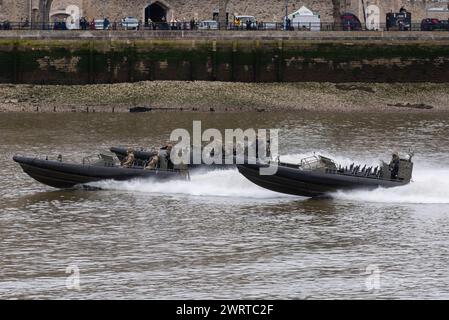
column 220, row 236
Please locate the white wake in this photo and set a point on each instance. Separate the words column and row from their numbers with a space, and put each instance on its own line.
column 430, row 184
column 219, row 183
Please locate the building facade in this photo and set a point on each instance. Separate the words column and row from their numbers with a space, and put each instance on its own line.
column 185, row 10
column 420, row 9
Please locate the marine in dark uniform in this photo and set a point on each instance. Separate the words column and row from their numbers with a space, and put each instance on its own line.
column 394, row 166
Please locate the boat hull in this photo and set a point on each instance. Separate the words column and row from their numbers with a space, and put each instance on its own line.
column 298, row 182
column 65, row 175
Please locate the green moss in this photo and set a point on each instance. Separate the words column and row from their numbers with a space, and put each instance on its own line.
column 105, row 57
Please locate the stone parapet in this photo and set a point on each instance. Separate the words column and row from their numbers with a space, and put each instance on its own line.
column 387, row 37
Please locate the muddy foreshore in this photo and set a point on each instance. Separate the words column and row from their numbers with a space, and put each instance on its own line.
column 226, row 97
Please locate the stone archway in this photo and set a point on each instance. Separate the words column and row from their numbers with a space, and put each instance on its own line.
column 156, row 11
column 67, row 16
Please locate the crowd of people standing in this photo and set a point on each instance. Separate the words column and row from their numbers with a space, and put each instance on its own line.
column 85, row 24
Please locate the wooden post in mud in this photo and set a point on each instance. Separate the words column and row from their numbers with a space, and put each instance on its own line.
column 192, row 61
column 233, row 60
column 256, row 61
column 214, row 61
column 131, row 61
column 16, row 63
column 280, row 67
column 91, row 75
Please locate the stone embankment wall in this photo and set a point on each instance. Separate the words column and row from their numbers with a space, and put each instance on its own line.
column 80, row 58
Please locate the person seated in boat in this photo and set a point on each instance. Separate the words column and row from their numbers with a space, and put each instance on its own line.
column 128, row 162
column 153, row 163
column 394, row 166
column 164, row 157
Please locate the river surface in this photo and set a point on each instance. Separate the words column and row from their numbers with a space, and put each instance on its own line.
column 219, row 236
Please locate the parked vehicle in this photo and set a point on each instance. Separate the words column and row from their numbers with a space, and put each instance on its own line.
column 434, row 24
column 208, row 25
column 401, row 21
column 350, row 22
column 444, row 24
column 243, row 22
column 130, row 23
column 99, row 24
column 267, row 26
column 430, row 24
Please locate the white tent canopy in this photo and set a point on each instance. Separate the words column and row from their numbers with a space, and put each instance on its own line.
column 303, row 11
column 304, row 18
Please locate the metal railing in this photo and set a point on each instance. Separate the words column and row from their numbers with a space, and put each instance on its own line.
column 260, row 26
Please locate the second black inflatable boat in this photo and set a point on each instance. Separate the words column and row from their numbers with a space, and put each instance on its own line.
column 319, row 176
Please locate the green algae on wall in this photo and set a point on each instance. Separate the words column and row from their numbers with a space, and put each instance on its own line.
column 111, row 61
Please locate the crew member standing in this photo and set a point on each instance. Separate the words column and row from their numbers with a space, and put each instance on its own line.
column 394, row 166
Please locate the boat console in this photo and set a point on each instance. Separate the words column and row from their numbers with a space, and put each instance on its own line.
column 318, row 163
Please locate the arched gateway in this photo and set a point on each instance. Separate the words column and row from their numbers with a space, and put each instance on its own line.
column 157, row 12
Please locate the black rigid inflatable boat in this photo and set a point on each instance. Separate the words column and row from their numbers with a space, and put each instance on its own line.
column 318, row 176
column 58, row 174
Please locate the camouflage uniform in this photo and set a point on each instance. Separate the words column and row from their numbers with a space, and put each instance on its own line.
column 129, row 160
column 153, row 163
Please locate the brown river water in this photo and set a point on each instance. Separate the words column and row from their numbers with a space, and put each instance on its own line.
column 219, row 236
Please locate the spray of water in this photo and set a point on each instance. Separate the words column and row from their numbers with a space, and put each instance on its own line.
column 430, row 184
column 219, row 183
